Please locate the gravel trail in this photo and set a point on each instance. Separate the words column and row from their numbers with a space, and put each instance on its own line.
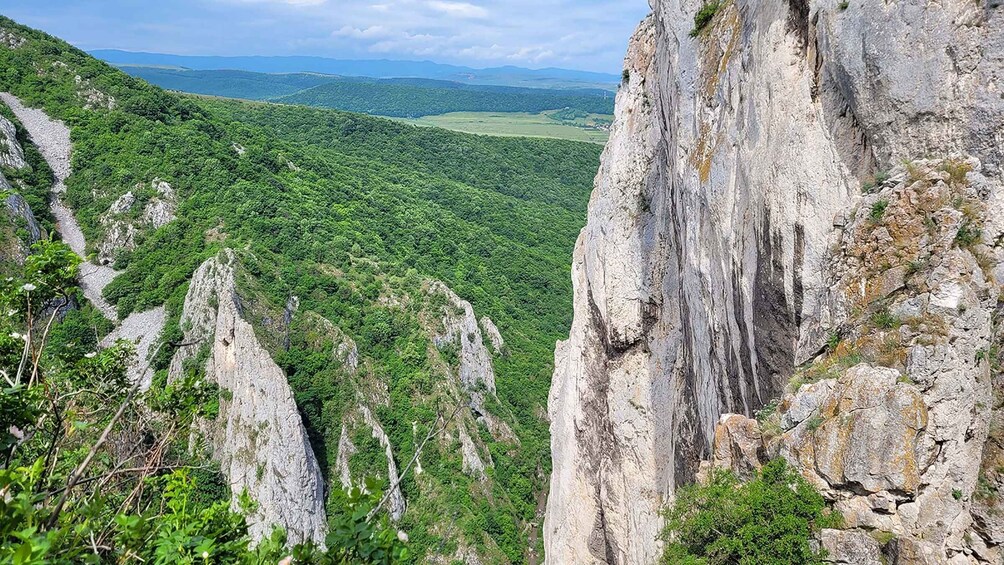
column 52, row 138
column 141, row 328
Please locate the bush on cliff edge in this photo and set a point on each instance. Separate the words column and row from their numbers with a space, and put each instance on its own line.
column 768, row 520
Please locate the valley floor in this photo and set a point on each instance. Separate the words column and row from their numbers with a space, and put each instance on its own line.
column 509, row 124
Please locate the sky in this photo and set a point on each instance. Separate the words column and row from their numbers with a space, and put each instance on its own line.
column 576, row 34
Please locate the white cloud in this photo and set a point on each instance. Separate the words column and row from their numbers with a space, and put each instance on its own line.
column 371, row 32
column 585, row 34
column 285, row 2
column 458, row 9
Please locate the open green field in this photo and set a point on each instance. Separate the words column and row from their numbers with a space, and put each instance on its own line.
column 515, row 125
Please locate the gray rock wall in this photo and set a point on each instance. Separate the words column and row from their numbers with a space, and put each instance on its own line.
column 699, row 278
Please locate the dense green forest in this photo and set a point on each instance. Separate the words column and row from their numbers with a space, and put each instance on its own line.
column 228, row 83
column 409, row 101
column 339, row 210
column 398, row 97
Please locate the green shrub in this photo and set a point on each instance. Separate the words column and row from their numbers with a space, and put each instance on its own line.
column 768, row 520
column 843, row 5
column 885, row 320
column 832, row 341
column 968, row 234
column 878, row 210
column 704, row 17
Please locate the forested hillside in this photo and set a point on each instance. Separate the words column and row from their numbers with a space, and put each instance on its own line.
column 396, row 97
column 504, row 76
column 227, row 83
column 406, row 100
column 338, row 224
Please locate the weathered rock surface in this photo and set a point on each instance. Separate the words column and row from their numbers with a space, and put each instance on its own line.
column 21, row 229
column 11, row 152
column 258, row 437
column 9, row 39
column 461, row 330
column 123, row 225
column 851, row 547
column 896, row 445
column 493, row 334
column 701, row 279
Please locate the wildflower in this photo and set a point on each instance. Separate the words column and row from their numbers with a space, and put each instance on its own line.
column 401, row 535
column 91, row 355
column 205, row 555
column 29, row 287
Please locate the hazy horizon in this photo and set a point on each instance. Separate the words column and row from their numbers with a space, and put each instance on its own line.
column 588, row 35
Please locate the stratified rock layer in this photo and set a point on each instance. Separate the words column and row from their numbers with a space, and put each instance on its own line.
column 701, row 277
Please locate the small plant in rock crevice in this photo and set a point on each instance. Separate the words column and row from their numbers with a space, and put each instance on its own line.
column 878, row 211
column 832, row 341
column 704, row 17
column 885, row 320
column 968, row 234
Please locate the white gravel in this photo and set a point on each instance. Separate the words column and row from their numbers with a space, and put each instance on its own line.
column 141, row 328
column 52, row 138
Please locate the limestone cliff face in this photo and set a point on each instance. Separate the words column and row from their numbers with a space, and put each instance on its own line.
column 892, row 421
column 701, row 279
column 258, row 437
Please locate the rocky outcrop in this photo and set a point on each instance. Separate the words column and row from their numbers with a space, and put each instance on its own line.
column 21, row 230
column 891, row 423
column 11, row 152
column 701, row 279
column 122, row 223
column 461, row 330
column 258, row 436
column 492, row 333
column 9, row 39
column 396, row 503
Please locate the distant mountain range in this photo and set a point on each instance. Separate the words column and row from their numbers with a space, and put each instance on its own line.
column 396, row 97
column 504, row 76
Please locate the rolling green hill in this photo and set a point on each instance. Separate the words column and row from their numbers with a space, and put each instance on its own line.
column 505, row 76
column 407, row 100
column 230, row 84
column 353, row 215
column 396, row 97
